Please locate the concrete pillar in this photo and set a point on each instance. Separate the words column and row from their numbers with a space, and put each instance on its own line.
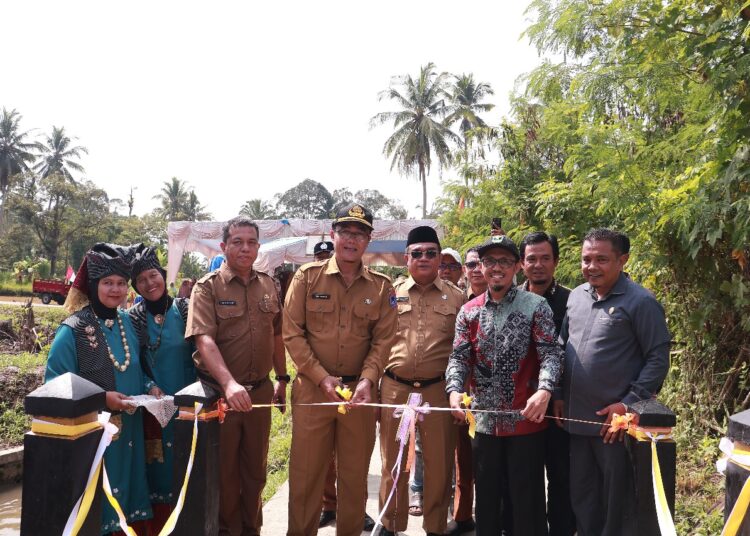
column 200, row 514
column 654, row 417
column 739, row 433
column 57, row 462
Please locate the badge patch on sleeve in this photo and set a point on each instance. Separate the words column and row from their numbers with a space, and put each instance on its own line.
column 392, row 299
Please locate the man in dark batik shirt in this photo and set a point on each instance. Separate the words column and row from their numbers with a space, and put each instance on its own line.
column 505, row 345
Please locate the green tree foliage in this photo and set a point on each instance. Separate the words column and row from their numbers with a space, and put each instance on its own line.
column 173, row 197
column 16, row 151
column 57, row 210
column 307, row 200
column 59, row 156
column 419, row 131
column 381, row 206
column 258, row 209
column 466, row 96
column 641, row 124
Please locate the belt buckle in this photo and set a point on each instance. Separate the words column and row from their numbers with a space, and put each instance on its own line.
column 417, row 385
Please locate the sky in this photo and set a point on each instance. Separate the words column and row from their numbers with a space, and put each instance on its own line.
column 244, row 100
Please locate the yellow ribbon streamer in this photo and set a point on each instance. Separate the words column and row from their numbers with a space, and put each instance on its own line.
column 88, row 498
column 663, row 514
column 466, row 402
column 172, row 520
column 127, row 529
column 346, row 394
column 738, row 454
column 65, row 430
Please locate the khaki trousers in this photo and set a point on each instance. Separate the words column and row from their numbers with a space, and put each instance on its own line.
column 243, row 449
column 329, row 491
column 318, row 433
column 438, row 442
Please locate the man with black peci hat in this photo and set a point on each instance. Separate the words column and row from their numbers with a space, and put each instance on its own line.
column 339, row 322
column 323, row 250
column 505, row 344
column 427, row 308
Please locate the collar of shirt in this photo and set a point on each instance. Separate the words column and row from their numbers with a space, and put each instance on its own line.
column 333, row 268
column 438, row 283
column 547, row 293
column 620, row 287
column 227, row 274
column 508, row 298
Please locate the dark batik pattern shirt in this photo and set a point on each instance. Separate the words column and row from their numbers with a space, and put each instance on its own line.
column 506, row 350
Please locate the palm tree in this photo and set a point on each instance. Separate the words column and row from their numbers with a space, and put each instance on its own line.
column 58, row 154
column 193, row 209
column 258, row 209
column 174, row 198
column 419, row 131
column 15, row 151
column 465, row 105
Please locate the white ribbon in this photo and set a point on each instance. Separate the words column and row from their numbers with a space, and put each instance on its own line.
column 109, row 431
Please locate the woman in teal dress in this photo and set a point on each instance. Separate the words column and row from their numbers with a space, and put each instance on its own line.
column 167, row 358
column 98, row 343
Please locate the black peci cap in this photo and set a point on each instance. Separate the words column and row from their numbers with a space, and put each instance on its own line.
column 502, row 242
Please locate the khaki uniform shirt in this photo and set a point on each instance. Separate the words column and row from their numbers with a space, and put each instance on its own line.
column 330, row 329
column 426, row 324
column 242, row 319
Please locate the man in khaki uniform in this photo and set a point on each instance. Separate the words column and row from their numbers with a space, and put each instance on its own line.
column 339, row 322
column 427, row 308
column 234, row 317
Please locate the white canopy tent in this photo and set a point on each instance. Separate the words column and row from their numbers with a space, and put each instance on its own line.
column 282, row 240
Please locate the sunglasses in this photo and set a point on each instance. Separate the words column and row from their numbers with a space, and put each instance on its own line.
column 449, row 266
column 471, row 265
column 417, row 253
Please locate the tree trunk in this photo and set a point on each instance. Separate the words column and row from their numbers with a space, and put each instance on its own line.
column 423, row 178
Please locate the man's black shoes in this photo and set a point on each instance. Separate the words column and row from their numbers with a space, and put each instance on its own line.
column 326, row 518
column 369, row 523
column 462, row 527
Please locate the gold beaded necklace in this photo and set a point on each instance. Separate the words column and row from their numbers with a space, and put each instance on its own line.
column 115, row 362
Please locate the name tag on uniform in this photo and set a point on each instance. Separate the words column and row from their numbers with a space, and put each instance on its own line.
column 402, row 299
column 227, row 302
column 318, row 296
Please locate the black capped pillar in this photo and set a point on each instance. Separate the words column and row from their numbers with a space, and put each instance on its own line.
column 653, row 417
column 739, row 434
column 58, row 454
column 200, row 514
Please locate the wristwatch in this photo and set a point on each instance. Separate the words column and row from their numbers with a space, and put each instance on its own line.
column 286, row 378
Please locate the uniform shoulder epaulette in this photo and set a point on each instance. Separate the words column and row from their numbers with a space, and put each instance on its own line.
column 376, row 273
column 313, row 264
column 453, row 286
column 208, row 276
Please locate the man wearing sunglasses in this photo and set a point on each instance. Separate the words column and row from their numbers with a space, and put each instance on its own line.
column 339, row 322
column 505, row 345
column 427, row 308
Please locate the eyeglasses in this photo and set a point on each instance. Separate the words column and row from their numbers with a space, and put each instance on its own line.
column 472, row 265
column 449, row 266
column 417, row 253
column 489, row 262
column 357, row 237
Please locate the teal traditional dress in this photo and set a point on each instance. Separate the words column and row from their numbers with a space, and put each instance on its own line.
column 125, row 458
column 168, row 358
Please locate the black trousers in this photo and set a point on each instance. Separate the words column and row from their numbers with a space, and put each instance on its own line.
column 560, row 517
column 519, row 461
column 601, row 487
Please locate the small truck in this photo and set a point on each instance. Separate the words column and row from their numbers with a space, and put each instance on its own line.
column 51, row 289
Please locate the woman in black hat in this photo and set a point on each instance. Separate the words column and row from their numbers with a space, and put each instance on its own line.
column 167, row 358
column 98, row 343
